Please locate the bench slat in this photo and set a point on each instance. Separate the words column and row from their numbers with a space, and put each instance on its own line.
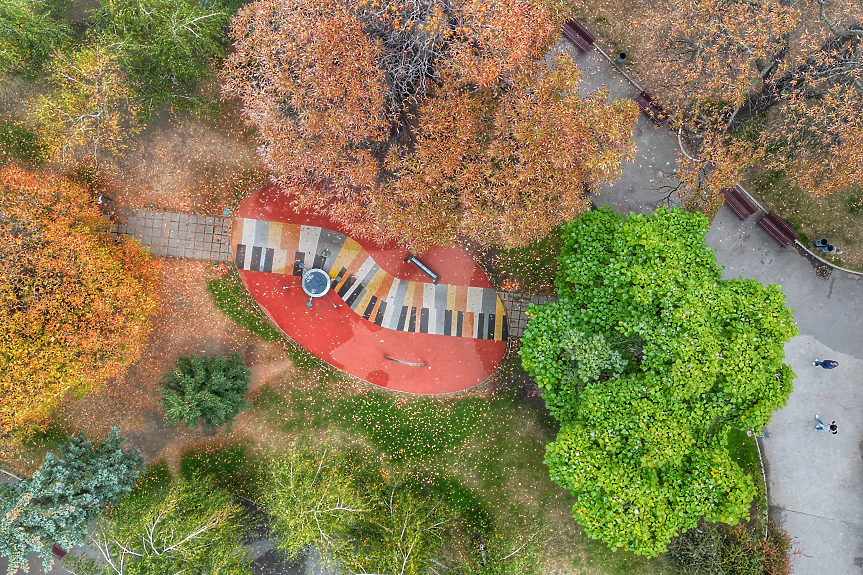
column 739, row 203
column 582, row 31
column 651, row 109
column 778, row 229
column 573, row 36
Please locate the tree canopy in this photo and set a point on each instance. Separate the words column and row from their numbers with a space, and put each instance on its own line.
column 76, row 304
column 209, row 388
column 166, row 47
column 88, row 111
column 769, row 82
column 30, row 30
column 352, row 513
column 421, row 120
column 177, row 526
column 647, row 361
column 57, row 504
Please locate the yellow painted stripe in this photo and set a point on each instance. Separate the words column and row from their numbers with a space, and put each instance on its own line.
column 500, row 317
column 370, row 291
column 346, row 255
column 274, row 236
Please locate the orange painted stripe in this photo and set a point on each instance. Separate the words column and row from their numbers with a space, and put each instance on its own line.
column 460, row 298
column 290, row 242
column 418, row 299
column 384, row 289
column 467, row 322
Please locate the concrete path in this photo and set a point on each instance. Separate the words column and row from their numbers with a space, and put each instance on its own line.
column 815, row 479
column 640, row 188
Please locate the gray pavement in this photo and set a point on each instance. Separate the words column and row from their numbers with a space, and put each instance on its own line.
column 814, row 479
column 180, row 235
column 640, row 187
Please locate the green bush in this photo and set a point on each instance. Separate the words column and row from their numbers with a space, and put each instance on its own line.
column 210, row 388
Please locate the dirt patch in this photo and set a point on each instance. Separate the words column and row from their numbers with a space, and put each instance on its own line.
column 186, row 164
column 188, row 323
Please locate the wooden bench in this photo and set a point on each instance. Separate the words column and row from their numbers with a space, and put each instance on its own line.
column 576, row 33
column 778, row 229
column 58, row 551
column 651, row 109
column 739, row 203
column 423, row 267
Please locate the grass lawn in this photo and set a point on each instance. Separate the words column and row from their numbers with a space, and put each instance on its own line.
column 837, row 217
column 484, row 454
column 534, row 266
column 230, row 296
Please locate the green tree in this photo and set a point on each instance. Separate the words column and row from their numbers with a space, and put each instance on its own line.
column 312, row 498
column 399, row 534
column 647, row 361
column 500, row 553
column 210, row 388
column 30, row 30
column 64, row 496
column 165, row 46
column 88, row 109
column 188, row 526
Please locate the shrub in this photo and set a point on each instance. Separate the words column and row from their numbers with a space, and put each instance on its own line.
column 210, row 388
column 720, row 549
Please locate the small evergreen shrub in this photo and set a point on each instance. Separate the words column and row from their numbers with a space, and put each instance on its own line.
column 212, row 388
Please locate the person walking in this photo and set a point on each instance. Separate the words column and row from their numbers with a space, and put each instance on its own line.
column 826, row 364
column 820, row 426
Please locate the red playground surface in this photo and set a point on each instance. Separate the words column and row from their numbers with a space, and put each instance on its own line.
column 344, row 339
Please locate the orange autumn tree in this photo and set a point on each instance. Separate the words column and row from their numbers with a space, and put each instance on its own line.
column 423, row 120
column 508, row 167
column 769, row 82
column 75, row 305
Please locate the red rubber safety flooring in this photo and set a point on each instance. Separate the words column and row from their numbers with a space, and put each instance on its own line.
column 346, row 340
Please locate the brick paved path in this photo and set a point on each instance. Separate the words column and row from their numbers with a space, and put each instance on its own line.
column 180, row 235
column 516, row 305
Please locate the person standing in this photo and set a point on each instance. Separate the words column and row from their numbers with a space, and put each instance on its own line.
column 826, row 364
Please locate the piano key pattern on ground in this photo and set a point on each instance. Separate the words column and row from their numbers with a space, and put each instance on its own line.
column 387, row 301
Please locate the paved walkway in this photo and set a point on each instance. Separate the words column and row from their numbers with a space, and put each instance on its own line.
column 180, row 235
column 815, row 480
